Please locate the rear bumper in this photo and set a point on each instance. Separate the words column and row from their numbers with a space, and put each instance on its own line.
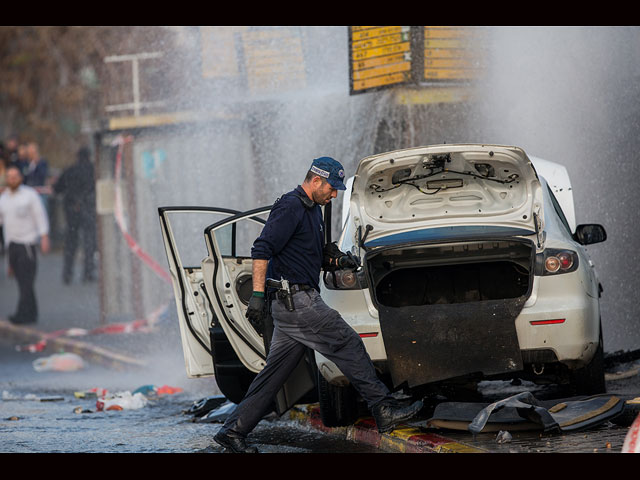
column 573, row 342
column 575, row 339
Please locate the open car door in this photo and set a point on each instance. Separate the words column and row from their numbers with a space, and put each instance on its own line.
column 227, row 273
column 185, row 251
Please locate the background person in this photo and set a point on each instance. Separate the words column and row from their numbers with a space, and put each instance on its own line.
column 37, row 168
column 77, row 184
column 25, row 224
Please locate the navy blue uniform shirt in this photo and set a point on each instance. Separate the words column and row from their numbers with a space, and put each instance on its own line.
column 292, row 240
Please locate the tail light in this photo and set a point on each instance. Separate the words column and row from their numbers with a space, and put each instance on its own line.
column 556, row 261
column 345, row 280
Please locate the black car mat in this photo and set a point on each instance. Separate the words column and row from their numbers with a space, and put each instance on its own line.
column 524, row 412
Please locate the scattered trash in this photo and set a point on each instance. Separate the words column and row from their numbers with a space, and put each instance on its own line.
column 524, row 412
column 220, row 414
column 81, row 410
column 92, row 393
column 150, row 390
column 122, row 401
column 6, row 396
column 205, row 405
column 167, row 390
column 60, row 362
column 13, row 418
column 503, row 437
column 145, row 390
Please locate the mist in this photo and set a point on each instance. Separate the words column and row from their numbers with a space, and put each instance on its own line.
column 570, row 95
column 565, row 94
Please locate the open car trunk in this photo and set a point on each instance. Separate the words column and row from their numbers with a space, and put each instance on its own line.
column 448, row 310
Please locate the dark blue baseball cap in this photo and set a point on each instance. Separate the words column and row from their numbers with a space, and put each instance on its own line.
column 331, row 170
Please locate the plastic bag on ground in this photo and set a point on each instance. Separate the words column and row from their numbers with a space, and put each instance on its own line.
column 59, row 362
column 122, row 401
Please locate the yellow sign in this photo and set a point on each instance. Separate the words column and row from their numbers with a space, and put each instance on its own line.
column 273, row 59
column 380, row 56
column 452, row 53
column 218, row 52
column 388, row 56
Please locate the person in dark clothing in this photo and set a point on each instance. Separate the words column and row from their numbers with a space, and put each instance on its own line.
column 291, row 247
column 37, row 169
column 77, row 184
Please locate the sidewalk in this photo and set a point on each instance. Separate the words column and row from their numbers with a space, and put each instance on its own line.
column 75, row 306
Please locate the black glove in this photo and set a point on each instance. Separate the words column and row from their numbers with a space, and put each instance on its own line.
column 255, row 312
column 348, row 261
column 334, row 259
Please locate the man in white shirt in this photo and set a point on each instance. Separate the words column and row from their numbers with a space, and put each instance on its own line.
column 25, row 225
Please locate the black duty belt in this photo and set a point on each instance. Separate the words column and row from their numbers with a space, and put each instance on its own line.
column 299, row 287
column 285, row 291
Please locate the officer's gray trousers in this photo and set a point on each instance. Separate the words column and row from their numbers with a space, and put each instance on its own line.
column 315, row 325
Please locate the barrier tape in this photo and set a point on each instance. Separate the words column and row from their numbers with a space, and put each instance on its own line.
column 137, row 325
column 135, row 248
column 131, row 242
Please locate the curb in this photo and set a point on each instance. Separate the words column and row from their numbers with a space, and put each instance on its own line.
column 93, row 353
column 404, row 439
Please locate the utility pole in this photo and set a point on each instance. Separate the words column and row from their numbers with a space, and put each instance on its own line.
column 135, row 59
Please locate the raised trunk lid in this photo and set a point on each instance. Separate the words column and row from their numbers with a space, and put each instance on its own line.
column 448, row 186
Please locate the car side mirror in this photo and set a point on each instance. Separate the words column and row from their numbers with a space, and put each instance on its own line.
column 590, row 233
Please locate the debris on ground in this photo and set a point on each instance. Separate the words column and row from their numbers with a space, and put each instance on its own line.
column 6, row 396
column 59, row 362
column 91, row 393
column 503, row 437
column 82, row 410
column 219, row 414
column 121, row 401
column 152, row 390
column 205, row 405
column 524, row 412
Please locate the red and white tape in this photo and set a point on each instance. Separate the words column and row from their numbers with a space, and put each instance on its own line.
column 135, row 326
column 632, row 440
column 131, row 242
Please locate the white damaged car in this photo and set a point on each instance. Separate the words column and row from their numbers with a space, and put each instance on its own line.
column 472, row 268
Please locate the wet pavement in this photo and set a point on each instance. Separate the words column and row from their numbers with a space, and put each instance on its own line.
column 125, row 361
column 39, row 411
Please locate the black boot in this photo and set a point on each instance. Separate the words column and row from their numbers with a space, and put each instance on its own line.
column 235, row 443
column 389, row 414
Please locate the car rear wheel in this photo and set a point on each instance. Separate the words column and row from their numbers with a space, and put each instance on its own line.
column 589, row 380
column 338, row 405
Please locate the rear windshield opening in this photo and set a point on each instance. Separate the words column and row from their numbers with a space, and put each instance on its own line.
column 414, row 277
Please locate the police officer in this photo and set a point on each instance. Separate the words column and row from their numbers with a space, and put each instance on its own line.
column 291, row 247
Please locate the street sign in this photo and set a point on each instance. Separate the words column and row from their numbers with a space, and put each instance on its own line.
column 452, row 53
column 388, row 56
column 379, row 57
column 274, row 59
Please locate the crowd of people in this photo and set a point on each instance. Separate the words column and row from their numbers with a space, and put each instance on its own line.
column 26, row 187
